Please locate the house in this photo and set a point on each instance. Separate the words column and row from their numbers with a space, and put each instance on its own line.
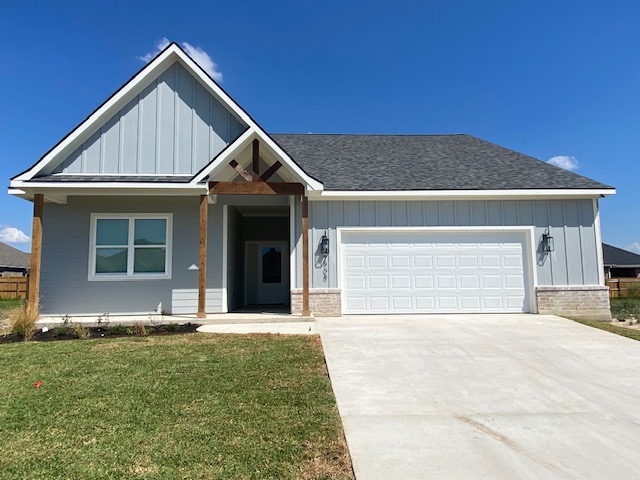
column 170, row 197
column 13, row 262
column 619, row 263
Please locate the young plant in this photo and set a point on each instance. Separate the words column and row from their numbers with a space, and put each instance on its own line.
column 104, row 320
column 81, row 331
column 22, row 322
column 118, row 330
column 139, row 329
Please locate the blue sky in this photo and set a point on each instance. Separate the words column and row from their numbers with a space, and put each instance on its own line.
column 549, row 79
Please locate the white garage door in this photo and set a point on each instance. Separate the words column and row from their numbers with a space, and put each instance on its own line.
column 434, row 272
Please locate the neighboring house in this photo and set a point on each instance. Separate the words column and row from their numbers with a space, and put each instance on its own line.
column 619, row 263
column 171, row 197
column 13, row 262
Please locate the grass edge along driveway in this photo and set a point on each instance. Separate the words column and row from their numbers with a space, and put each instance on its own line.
column 188, row 406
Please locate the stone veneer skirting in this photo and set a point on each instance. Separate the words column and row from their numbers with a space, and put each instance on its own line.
column 589, row 302
column 323, row 302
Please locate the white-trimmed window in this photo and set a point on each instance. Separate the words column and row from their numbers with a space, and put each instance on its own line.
column 130, row 246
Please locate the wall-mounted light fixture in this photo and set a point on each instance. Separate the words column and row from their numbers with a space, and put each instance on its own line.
column 324, row 245
column 547, row 242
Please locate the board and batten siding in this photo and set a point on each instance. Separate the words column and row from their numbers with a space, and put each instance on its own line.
column 570, row 222
column 64, row 287
column 174, row 126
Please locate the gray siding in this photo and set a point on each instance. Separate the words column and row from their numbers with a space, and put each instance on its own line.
column 64, row 285
column 174, row 126
column 570, row 222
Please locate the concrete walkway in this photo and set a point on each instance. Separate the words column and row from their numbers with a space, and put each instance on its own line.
column 485, row 396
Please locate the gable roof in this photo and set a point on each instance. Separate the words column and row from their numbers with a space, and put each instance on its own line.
column 171, row 54
column 617, row 257
column 423, row 162
column 12, row 257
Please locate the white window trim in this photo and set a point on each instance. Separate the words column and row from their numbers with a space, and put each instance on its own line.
column 119, row 277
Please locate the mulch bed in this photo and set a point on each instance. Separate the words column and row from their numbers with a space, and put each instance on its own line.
column 74, row 333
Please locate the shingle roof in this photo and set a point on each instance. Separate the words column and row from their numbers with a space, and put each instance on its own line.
column 12, row 257
column 614, row 256
column 422, row 162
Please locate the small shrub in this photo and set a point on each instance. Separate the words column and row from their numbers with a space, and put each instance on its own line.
column 22, row 322
column 62, row 331
column 118, row 330
column 104, row 320
column 173, row 327
column 81, row 331
column 139, row 329
column 66, row 320
column 154, row 319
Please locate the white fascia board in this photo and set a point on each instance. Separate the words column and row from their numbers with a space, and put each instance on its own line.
column 458, row 194
column 231, row 151
column 244, row 141
column 195, row 69
column 118, row 100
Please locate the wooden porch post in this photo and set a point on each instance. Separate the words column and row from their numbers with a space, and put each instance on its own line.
column 33, row 299
column 305, row 256
column 202, row 266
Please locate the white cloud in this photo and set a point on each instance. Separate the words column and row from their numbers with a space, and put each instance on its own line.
column 634, row 247
column 160, row 45
column 13, row 235
column 201, row 57
column 564, row 161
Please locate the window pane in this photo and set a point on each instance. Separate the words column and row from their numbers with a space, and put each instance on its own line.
column 151, row 231
column 111, row 260
column 112, row 231
column 149, row 260
column 271, row 265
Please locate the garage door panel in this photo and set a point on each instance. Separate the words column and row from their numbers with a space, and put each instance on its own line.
column 378, row 281
column 423, row 281
column 356, row 282
column 446, row 281
column 378, row 261
column 379, row 303
column 475, row 272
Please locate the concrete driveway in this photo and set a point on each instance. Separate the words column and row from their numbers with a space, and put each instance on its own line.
column 485, row 396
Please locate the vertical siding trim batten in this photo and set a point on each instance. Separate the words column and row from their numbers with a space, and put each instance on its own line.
column 566, row 246
column 157, row 128
column 580, row 233
column 101, row 159
column 193, row 125
column 120, row 142
column 175, row 119
column 598, row 239
column 139, row 136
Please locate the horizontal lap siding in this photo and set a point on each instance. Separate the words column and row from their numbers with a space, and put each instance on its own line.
column 570, row 222
column 64, row 285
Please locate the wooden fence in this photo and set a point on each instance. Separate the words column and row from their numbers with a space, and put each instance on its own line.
column 13, row 287
column 621, row 287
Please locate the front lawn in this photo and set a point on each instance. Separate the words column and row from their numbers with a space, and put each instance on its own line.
column 188, row 406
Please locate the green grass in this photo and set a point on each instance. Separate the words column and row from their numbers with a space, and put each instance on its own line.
column 187, row 406
column 7, row 304
column 609, row 327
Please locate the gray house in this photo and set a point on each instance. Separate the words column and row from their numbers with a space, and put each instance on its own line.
column 13, row 262
column 171, row 197
column 619, row 263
